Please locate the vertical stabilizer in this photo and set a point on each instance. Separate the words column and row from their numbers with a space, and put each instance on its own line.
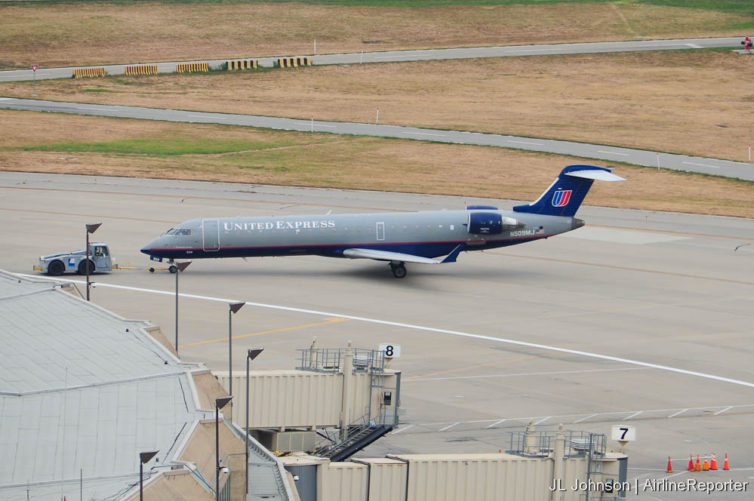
column 564, row 196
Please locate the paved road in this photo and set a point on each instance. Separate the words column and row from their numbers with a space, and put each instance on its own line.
column 661, row 288
column 416, row 55
column 606, row 154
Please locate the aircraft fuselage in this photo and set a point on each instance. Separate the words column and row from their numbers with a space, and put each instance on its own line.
column 427, row 234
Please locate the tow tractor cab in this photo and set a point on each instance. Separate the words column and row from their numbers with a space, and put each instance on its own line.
column 75, row 262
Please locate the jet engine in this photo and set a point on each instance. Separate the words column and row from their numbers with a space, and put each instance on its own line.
column 489, row 223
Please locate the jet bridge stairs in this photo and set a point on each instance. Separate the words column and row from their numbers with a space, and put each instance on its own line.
column 378, row 389
column 357, row 438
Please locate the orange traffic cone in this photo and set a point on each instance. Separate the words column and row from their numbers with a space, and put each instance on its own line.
column 691, row 463
column 670, row 466
column 705, row 465
column 698, row 466
column 713, row 463
column 725, row 464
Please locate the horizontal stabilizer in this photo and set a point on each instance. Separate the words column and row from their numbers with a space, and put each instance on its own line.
column 599, row 175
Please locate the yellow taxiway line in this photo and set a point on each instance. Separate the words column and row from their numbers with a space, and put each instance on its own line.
column 272, row 331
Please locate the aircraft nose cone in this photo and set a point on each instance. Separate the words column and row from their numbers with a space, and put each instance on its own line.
column 147, row 249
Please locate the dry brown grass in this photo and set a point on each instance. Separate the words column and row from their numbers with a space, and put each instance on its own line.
column 350, row 162
column 88, row 34
column 685, row 102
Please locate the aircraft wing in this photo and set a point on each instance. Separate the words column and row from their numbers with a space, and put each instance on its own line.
column 387, row 256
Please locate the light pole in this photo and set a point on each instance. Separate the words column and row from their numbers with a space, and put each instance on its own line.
column 144, row 457
column 250, row 355
column 90, row 228
column 181, row 267
column 232, row 308
column 219, row 404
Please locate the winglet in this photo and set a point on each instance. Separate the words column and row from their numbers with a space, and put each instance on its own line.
column 451, row 258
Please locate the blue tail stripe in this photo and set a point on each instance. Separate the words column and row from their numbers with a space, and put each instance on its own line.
column 564, row 196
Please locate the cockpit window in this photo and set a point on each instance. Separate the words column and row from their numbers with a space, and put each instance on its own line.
column 178, row 231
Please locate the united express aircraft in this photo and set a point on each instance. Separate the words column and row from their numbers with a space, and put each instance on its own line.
column 428, row 237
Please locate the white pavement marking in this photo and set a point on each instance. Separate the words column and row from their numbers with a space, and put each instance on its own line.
column 499, row 421
column 677, row 413
column 522, row 374
column 722, row 411
column 542, row 420
column 449, row 426
column 613, row 153
column 701, row 165
column 694, row 46
column 566, row 418
column 585, row 418
column 530, row 143
column 401, row 430
column 633, row 415
column 449, row 332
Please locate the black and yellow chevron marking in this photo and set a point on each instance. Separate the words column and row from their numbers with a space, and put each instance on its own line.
column 294, row 62
column 243, row 64
column 192, row 68
column 147, row 69
column 89, row 73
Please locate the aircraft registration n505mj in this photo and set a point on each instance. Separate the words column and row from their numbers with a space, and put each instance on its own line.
column 428, row 237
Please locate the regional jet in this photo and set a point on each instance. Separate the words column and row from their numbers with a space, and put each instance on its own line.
column 427, row 237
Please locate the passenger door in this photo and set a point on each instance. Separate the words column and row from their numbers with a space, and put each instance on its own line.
column 210, row 235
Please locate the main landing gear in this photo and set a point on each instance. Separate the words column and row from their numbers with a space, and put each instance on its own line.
column 398, row 268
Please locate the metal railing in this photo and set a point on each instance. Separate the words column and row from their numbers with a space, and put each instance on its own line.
column 542, row 443
column 332, row 359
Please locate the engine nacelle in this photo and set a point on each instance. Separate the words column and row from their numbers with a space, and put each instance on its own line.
column 485, row 223
column 481, row 207
column 489, row 223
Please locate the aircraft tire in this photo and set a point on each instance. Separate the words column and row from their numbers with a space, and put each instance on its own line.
column 82, row 267
column 399, row 270
column 56, row 268
column 173, row 268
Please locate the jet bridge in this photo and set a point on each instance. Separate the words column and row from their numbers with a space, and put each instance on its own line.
column 336, row 402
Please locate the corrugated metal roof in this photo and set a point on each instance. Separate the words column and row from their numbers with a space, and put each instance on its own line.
column 82, row 390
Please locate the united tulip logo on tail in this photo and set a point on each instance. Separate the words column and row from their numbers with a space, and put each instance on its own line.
column 561, row 198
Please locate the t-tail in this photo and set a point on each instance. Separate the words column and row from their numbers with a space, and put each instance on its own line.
column 564, row 196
